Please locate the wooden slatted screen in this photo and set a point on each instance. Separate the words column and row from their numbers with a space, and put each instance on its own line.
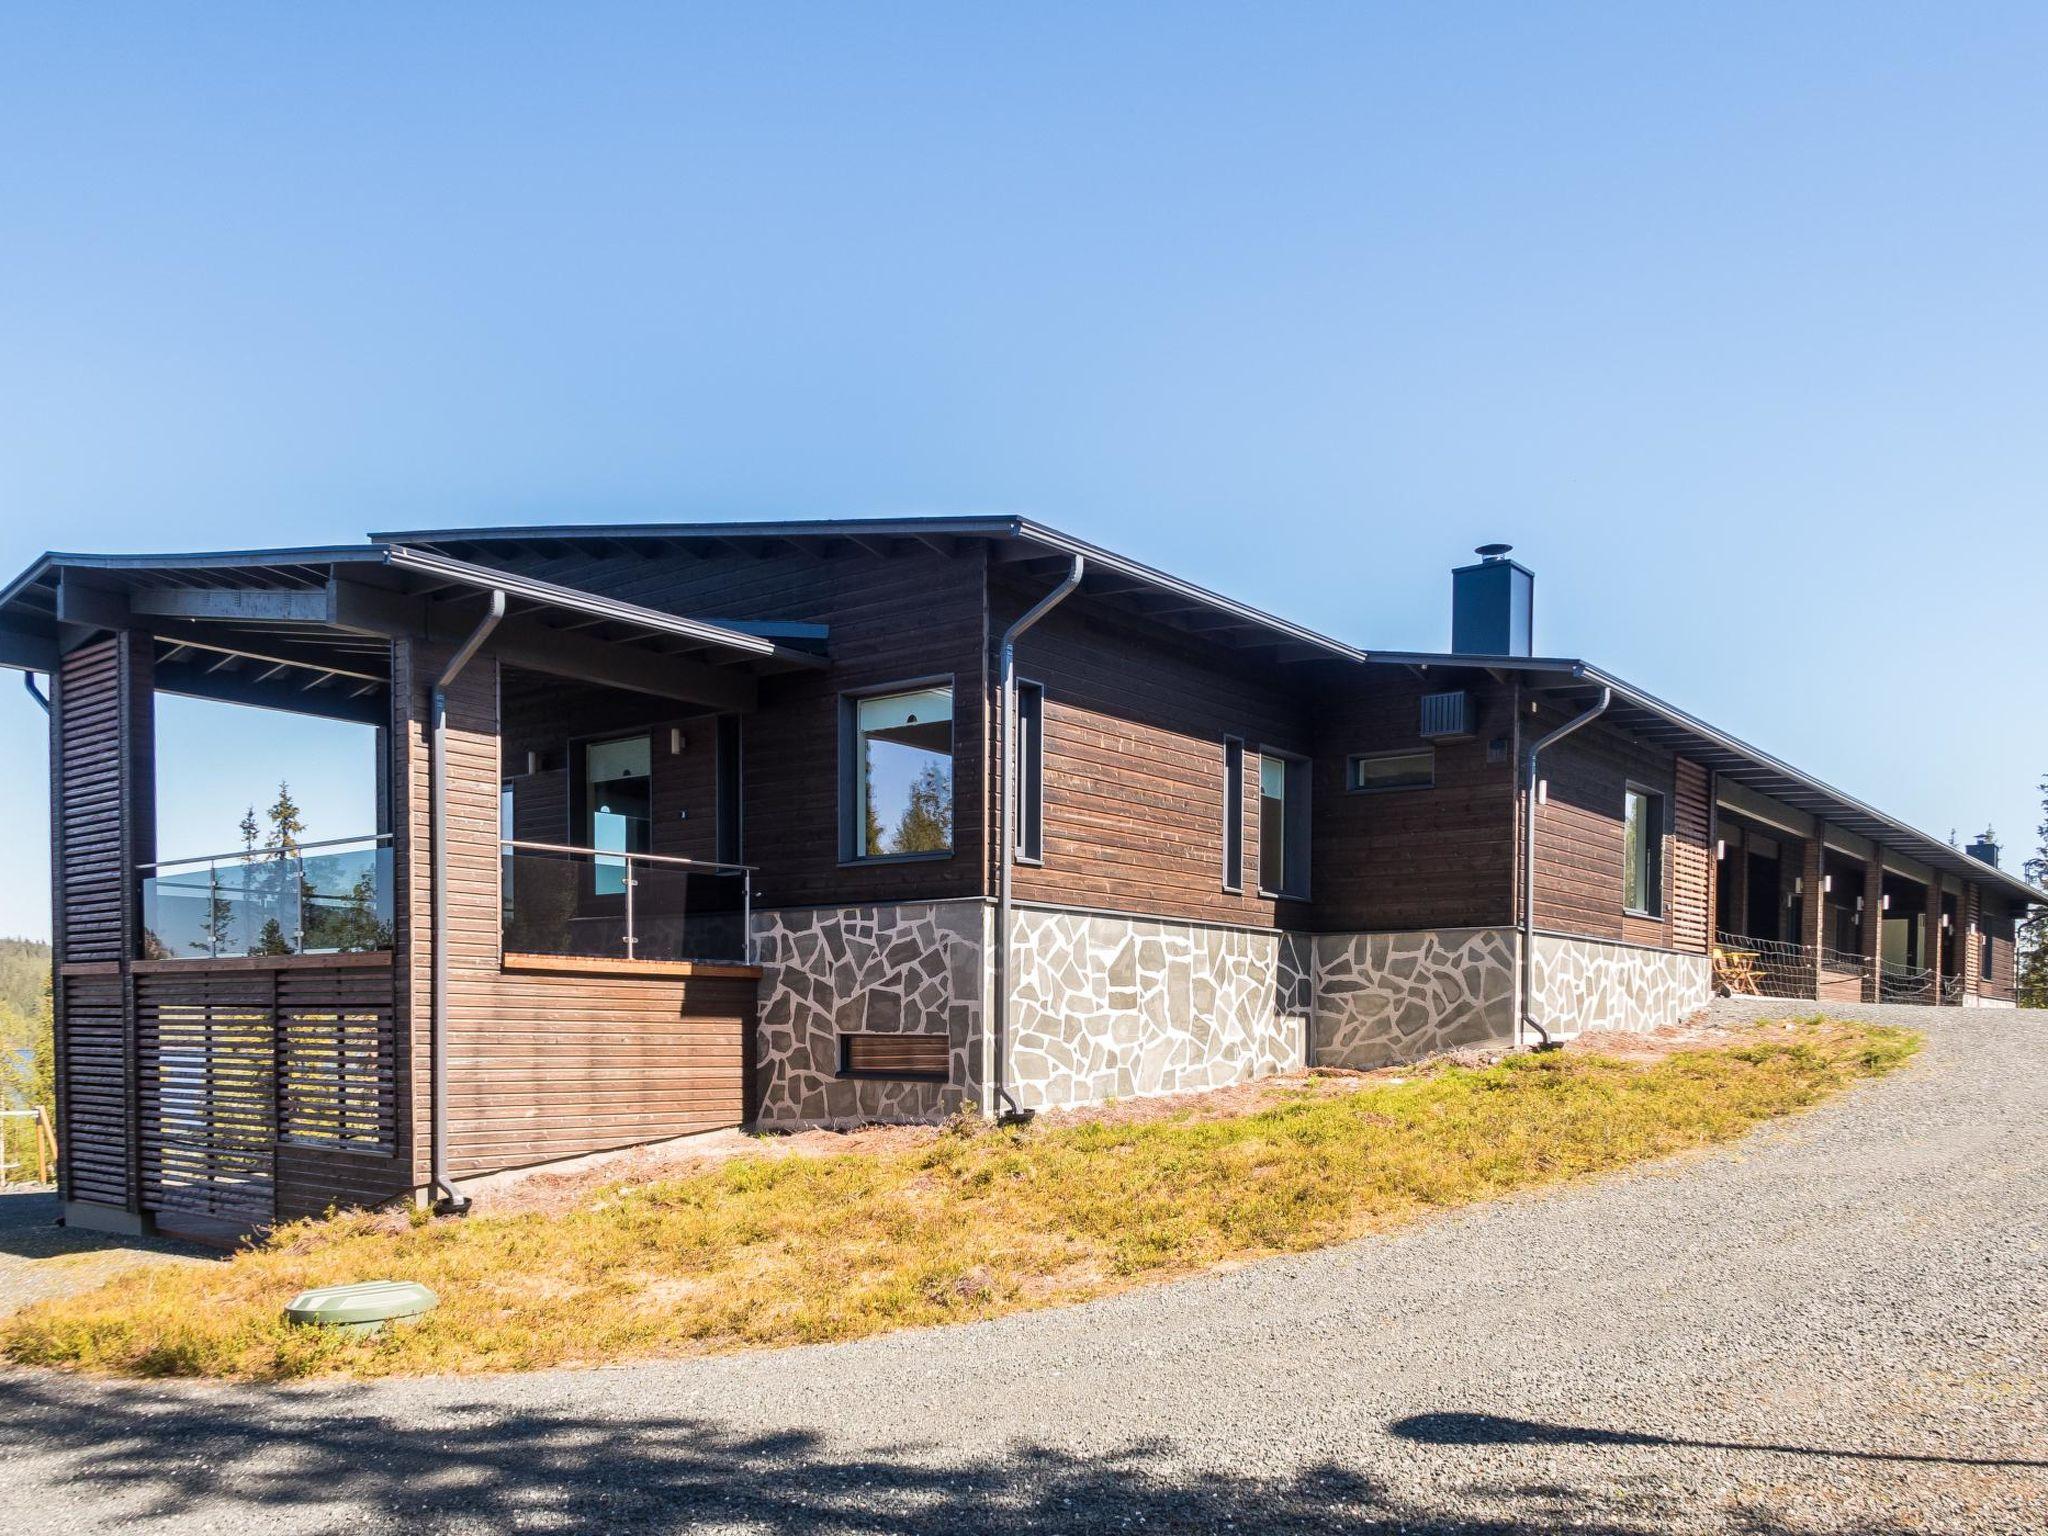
column 880, row 1055
column 209, row 1118
column 93, row 1111
column 336, row 1062
column 1692, row 860
column 92, row 809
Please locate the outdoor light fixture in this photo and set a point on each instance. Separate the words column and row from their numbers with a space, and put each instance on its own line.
column 1720, row 850
column 1827, row 883
column 1947, row 921
column 1859, row 906
column 1799, row 885
column 1885, row 904
column 676, row 741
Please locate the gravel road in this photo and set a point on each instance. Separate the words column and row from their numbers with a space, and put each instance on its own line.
column 1835, row 1325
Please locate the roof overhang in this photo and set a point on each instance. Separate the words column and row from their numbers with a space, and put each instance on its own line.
column 1645, row 715
column 310, row 629
column 1029, row 550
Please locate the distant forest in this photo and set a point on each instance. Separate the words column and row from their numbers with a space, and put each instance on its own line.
column 24, row 972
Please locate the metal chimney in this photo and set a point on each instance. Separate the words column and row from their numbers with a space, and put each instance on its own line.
column 1984, row 849
column 1493, row 605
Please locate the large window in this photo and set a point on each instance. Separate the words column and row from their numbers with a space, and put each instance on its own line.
column 898, row 774
column 1030, row 787
column 1642, row 848
column 1283, row 825
column 618, row 805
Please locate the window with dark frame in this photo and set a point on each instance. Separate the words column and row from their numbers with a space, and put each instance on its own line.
column 1233, row 814
column 1642, row 851
column 618, row 806
column 1371, row 772
column 1030, row 764
column 896, row 773
column 1283, row 825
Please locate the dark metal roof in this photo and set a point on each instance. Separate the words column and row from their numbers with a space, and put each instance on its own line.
column 433, row 563
column 1649, row 717
column 1031, row 549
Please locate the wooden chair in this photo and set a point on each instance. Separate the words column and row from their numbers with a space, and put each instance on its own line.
column 1735, row 971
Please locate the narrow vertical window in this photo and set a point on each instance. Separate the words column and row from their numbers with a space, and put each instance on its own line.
column 1283, row 825
column 1642, row 850
column 1030, row 763
column 1233, row 814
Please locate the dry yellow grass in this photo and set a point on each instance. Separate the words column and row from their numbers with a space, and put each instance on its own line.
column 977, row 1222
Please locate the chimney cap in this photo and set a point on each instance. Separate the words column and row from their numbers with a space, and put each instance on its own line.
column 1492, row 551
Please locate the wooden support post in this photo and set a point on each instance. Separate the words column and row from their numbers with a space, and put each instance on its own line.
column 1812, row 875
column 1971, row 916
column 1932, row 958
column 1872, row 931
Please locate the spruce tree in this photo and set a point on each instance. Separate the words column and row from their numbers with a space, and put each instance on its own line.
column 2031, row 972
column 927, row 822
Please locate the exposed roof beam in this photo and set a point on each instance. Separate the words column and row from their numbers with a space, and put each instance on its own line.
column 249, row 605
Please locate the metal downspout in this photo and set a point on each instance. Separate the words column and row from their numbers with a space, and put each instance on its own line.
column 28, row 681
column 1529, row 857
column 437, row 897
column 1007, row 817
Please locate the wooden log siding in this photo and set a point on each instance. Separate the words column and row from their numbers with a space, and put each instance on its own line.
column 1692, row 859
column 540, row 1065
column 1133, row 768
column 1442, row 857
column 1579, row 832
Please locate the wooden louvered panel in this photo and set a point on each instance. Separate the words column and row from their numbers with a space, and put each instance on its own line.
column 208, row 1094
column 1692, row 860
column 887, row 1055
column 337, row 1061
column 93, row 1113
column 92, row 831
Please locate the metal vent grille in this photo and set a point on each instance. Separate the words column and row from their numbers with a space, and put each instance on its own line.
column 1446, row 716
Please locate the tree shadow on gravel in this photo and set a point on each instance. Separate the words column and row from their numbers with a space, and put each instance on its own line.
column 245, row 1459
column 1493, row 1429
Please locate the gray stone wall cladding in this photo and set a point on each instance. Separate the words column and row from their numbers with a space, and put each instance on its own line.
column 1583, row 984
column 1390, row 997
column 1117, row 1007
column 914, row 967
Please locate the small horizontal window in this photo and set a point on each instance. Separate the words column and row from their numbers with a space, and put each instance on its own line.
column 923, row 1056
column 1392, row 770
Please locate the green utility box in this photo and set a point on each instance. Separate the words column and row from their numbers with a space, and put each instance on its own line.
column 364, row 1307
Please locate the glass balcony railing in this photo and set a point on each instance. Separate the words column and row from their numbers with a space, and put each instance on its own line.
column 589, row 903
column 322, row 898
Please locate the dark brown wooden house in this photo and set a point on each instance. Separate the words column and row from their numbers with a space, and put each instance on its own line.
column 684, row 826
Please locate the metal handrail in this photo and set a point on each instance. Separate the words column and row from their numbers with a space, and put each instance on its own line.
column 621, row 853
column 266, row 854
column 744, row 871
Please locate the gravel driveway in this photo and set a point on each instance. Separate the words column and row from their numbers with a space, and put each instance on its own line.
column 1838, row 1324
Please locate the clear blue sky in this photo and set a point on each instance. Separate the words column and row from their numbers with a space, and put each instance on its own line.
column 1734, row 319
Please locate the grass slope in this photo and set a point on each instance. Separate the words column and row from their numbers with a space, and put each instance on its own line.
column 977, row 1222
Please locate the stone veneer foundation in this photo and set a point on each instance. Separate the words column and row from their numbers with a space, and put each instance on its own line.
column 1119, row 1007
column 1386, row 997
column 1583, row 984
column 916, row 967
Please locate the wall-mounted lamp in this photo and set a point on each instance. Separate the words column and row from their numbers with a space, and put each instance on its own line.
column 676, row 740
column 1947, row 921
column 1799, row 885
column 1827, row 883
column 1885, row 903
column 1543, row 791
column 1859, row 906
column 1720, row 850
